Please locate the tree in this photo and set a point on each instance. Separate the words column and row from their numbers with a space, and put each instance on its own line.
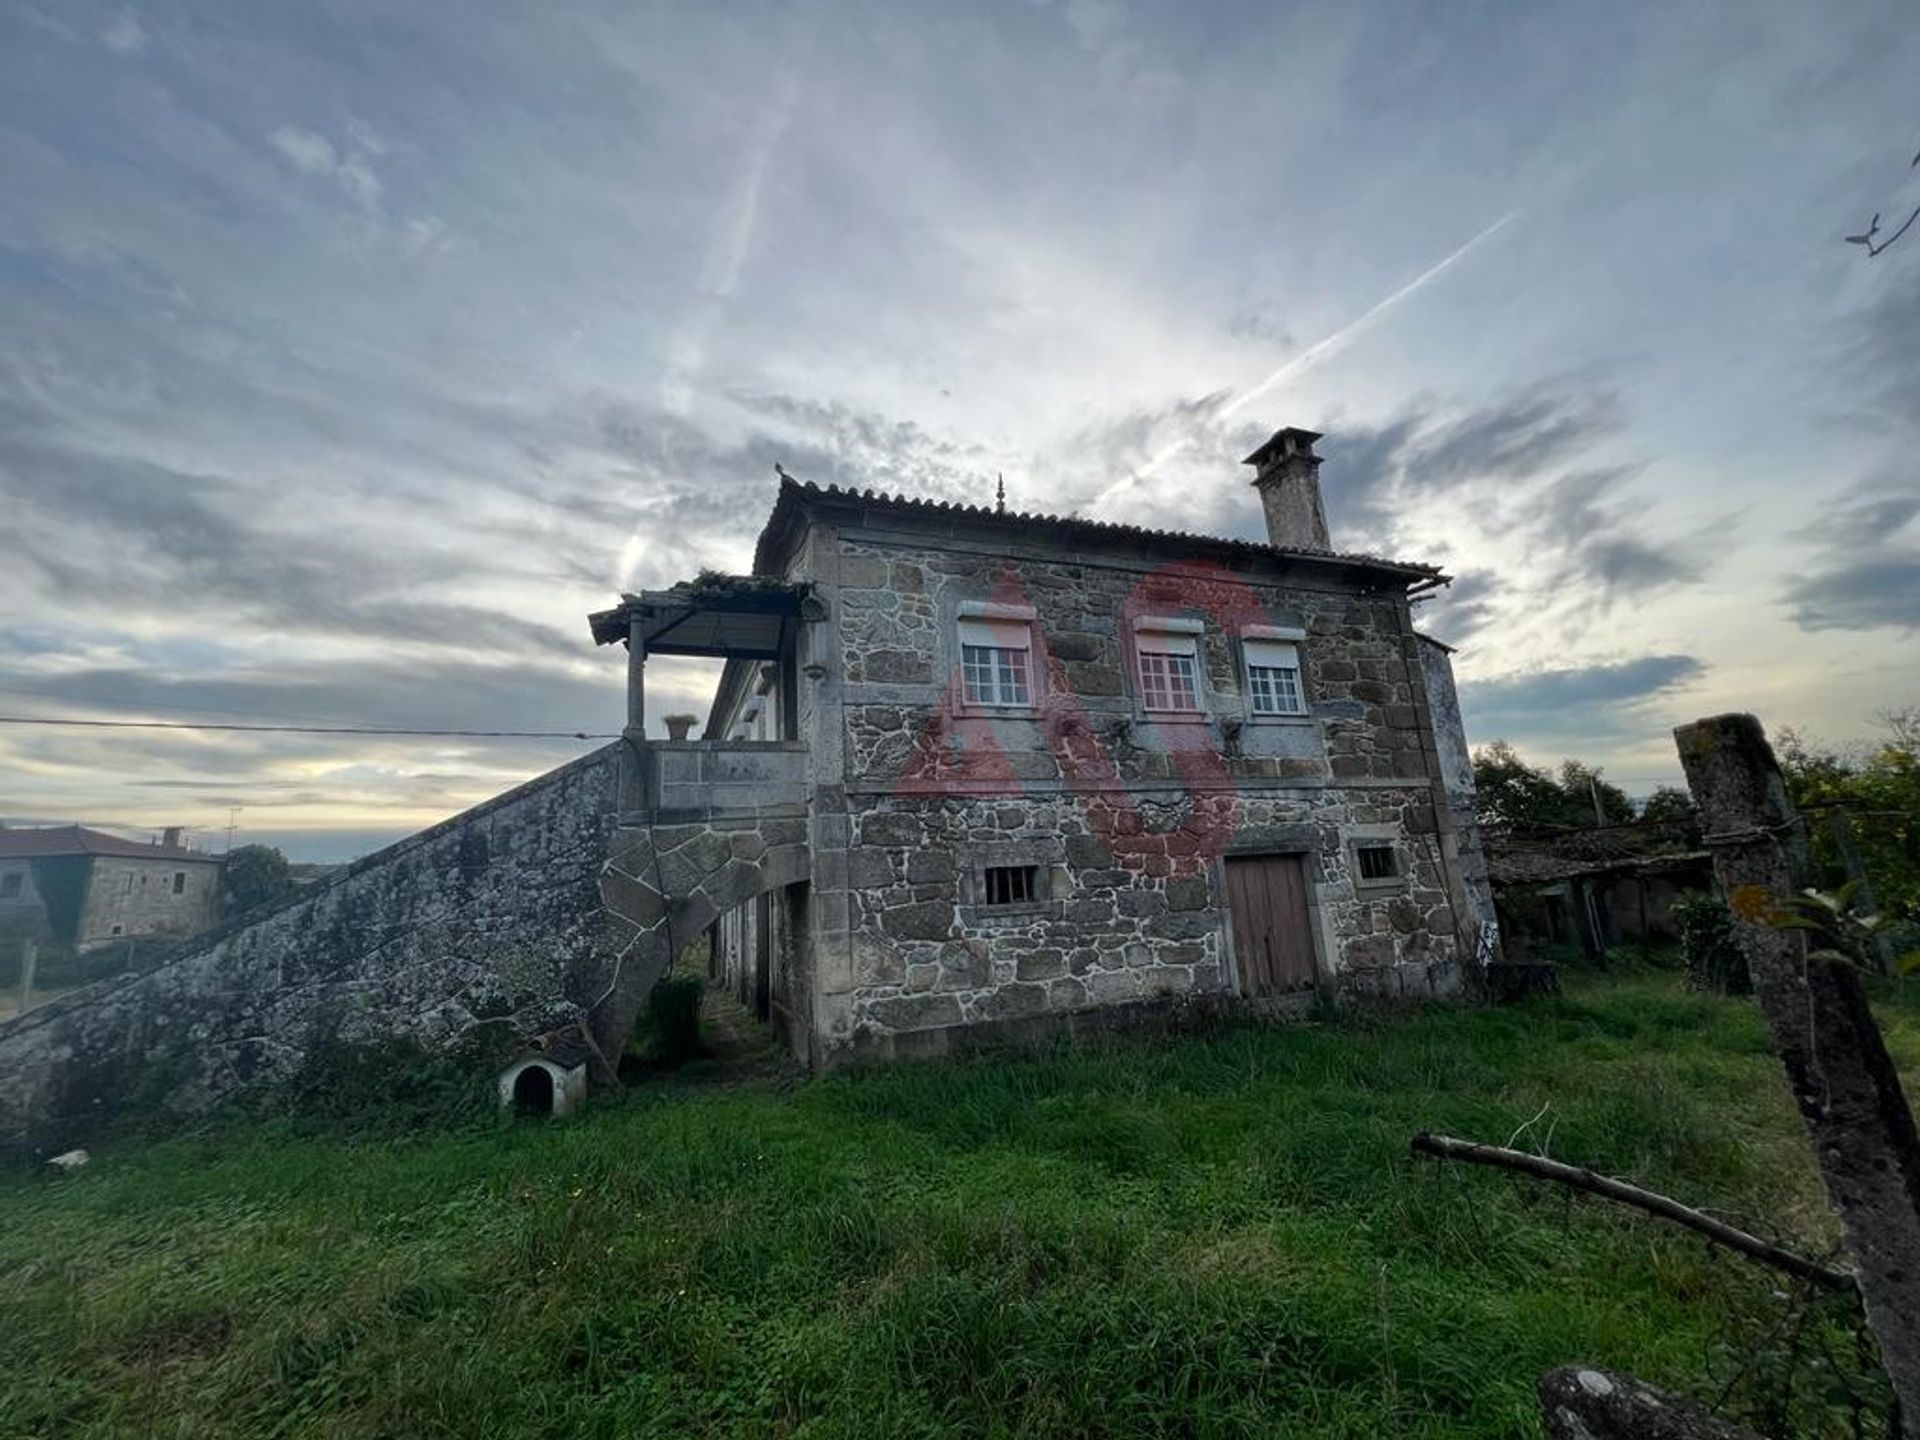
column 1508, row 791
column 255, row 875
column 1863, row 810
column 1583, row 784
column 1669, row 804
column 1870, row 237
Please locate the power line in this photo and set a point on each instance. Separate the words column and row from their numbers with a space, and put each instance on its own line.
column 311, row 729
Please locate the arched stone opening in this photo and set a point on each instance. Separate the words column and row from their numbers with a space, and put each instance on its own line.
column 533, row 1091
column 547, row 1083
column 704, row 872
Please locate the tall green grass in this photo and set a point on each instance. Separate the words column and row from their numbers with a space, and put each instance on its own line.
column 1199, row 1236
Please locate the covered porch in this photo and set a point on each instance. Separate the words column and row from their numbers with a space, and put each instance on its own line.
column 751, row 622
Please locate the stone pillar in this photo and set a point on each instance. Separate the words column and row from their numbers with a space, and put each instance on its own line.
column 1842, row 1079
column 636, row 680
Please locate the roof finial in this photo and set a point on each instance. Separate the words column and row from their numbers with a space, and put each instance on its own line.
column 781, row 471
column 1000, row 508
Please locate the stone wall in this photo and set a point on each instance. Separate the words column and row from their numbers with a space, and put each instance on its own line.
column 1456, row 767
column 491, row 919
column 1125, row 816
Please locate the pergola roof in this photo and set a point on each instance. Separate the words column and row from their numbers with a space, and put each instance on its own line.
column 726, row 616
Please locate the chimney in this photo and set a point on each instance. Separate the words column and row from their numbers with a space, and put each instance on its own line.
column 1287, row 475
column 170, row 837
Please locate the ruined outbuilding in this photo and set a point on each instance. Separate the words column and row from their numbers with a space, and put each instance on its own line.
column 968, row 773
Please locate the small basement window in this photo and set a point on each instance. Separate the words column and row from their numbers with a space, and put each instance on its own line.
column 1378, row 862
column 1012, row 884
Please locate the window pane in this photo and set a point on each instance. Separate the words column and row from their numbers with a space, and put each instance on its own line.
column 978, row 673
column 1182, row 693
column 1276, row 690
column 1013, row 676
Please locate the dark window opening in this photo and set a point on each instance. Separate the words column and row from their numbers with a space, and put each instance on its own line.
column 117, row 930
column 1378, row 862
column 1012, row 884
column 533, row 1091
column 179, row 881
column 10, row 884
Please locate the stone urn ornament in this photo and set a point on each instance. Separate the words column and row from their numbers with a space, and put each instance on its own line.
column 678, row 726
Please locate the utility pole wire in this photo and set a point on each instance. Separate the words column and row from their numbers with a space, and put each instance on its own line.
column 309, row 729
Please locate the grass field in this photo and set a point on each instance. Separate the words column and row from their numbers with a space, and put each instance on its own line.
column 1197, row 1236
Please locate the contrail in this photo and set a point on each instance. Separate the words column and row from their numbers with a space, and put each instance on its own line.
column 1319, row 350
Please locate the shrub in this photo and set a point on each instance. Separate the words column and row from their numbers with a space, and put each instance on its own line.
column 1715, row 961
column 388, row 1083
column 673, row 1018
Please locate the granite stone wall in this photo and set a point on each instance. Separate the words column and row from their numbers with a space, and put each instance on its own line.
column 492, row 920
column 1125, row 817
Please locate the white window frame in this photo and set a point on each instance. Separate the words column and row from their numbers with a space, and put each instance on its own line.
column 1259, row 646
column 1171, row 638
column 1003, row 634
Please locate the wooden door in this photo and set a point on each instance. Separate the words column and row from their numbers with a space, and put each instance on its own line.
column 1272, row 934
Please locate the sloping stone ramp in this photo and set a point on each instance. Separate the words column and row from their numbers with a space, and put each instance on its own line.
column 550, row 910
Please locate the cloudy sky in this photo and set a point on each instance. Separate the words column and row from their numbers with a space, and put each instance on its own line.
column 350, row 353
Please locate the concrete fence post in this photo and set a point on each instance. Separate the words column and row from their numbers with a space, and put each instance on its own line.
column 1837, row 1066
column 29, row 958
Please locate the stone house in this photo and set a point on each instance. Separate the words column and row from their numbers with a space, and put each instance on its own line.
column 85, row 888
column 1054, row 769
column 967, row 773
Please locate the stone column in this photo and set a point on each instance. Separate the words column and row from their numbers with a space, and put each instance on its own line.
column 1842, row 1079
column 636, row 680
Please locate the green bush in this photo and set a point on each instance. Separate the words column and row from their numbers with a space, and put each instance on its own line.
column 1715, row 961
column 389, row 1083
column 673, row 1019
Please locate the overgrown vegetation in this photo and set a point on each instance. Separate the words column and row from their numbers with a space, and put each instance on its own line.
column 671, row 1034
column 1509, row 791
column 1865, row 798
column 1715, row 962
column 1219, row 1234
column 254, row 875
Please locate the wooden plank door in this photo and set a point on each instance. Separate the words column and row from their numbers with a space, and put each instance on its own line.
column 1272, row 934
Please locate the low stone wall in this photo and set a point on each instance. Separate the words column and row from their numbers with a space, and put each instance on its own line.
column 492, row 918
column 724, row 776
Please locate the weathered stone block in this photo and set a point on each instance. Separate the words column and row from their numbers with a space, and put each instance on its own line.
column 1091, row 851
column 1094, row 911
column 916, row 1012
column 926, row 867
column 1090, row 677
column 897, row 667
column 863, row 572
column 1187, row 892
column 928, row 920
column 1071, row 646
column 1041, row 965
column 1012, row 1001
column 869, row 868
column 892, row 827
